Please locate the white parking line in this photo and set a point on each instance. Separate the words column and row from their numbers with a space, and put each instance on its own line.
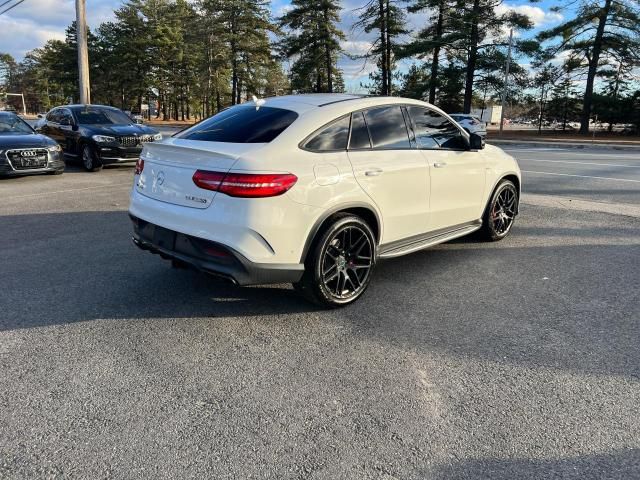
column 580, row 163
column 128, row 184
column 583, row 176
column 576, row 152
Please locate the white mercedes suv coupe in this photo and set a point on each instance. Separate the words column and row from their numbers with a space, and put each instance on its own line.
column 314, row 189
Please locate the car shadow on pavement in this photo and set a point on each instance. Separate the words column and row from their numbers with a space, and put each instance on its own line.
column 556, row 304
column 621, row 464
column 83, row 266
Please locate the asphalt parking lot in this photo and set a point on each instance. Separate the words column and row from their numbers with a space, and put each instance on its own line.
column 517, row 359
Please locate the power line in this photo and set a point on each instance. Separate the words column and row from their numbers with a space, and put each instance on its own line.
column 12, row 6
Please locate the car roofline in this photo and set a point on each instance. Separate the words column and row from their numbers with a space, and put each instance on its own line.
column 356, row 96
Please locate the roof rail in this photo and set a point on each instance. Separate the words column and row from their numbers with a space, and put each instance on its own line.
column 356, row 96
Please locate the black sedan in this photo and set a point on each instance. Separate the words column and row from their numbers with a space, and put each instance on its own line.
column 25, row 152
column 96, row 134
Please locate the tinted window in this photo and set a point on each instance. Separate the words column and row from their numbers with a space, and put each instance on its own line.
column 387, row 127
column 101, row 116
column 52, row 116
column 359, row 132
column 435, row 131
column 331, row 137
column 65, row 118
column 242, row 124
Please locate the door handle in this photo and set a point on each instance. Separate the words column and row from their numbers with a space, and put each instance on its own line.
column 440, row 164
column 374, row 172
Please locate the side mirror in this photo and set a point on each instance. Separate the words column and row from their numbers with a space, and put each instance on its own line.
column 476, row 142
column 39, row 115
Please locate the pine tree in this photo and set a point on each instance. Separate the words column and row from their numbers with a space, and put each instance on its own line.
column 413, row 82
column 481, row 27
column 600, row 29
column 313, row 41
column 434, row 39
column 546, row 77
column 247, row 27
column 8, row 70
column 388, row 20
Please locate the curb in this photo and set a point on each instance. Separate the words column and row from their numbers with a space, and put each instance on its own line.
column 529, row 143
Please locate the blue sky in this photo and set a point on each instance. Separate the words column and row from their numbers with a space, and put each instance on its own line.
column 33, row 22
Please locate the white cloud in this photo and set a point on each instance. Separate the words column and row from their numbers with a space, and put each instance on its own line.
column 356, row 70
column 537, row 15
column 47, row 12
column 32, row 23
column 17, row 37
column 356, row 47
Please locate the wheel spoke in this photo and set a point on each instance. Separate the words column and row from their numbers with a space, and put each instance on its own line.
column 348, row 277
column 333, row 255
column 328, row 275
column 331, row 277
column 360, row 267
column 342, row 282
column 357, row 247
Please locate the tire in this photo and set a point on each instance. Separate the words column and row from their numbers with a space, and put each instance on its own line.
column 89, row 159
column 340, row 262
column 500, row 213
column 57, row 172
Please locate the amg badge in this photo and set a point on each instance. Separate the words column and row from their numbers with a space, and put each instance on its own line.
column 195, row 199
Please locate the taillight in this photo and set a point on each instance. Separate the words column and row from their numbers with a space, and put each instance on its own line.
column 208, row 180
column 246, row 185
column 139, row 166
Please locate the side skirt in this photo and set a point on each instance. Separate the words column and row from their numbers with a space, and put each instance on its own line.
column 419, row 242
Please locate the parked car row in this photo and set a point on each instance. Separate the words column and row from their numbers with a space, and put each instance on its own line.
column 471, row 123
column 306, row 189
column 96, row 135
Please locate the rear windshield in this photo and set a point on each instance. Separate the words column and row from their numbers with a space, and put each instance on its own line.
column 242, row 124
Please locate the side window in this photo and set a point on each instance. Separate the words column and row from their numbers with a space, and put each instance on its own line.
column 52, row 116
column 359, row 133
column 331, row 137
column 65, row 118
column 387, row 128
column 435, row 131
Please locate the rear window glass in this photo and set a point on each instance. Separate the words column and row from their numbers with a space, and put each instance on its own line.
column 331, row 137
column 242, row 124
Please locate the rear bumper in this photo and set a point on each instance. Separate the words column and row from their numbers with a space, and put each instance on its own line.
column 210, row 257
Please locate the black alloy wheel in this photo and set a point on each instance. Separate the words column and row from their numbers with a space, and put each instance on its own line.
column 501, row 211
column 339, row 268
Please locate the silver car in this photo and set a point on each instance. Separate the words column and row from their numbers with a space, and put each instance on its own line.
column 471, row 123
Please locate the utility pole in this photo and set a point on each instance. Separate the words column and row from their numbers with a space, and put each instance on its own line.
column 83, row 52
column 506, row 81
